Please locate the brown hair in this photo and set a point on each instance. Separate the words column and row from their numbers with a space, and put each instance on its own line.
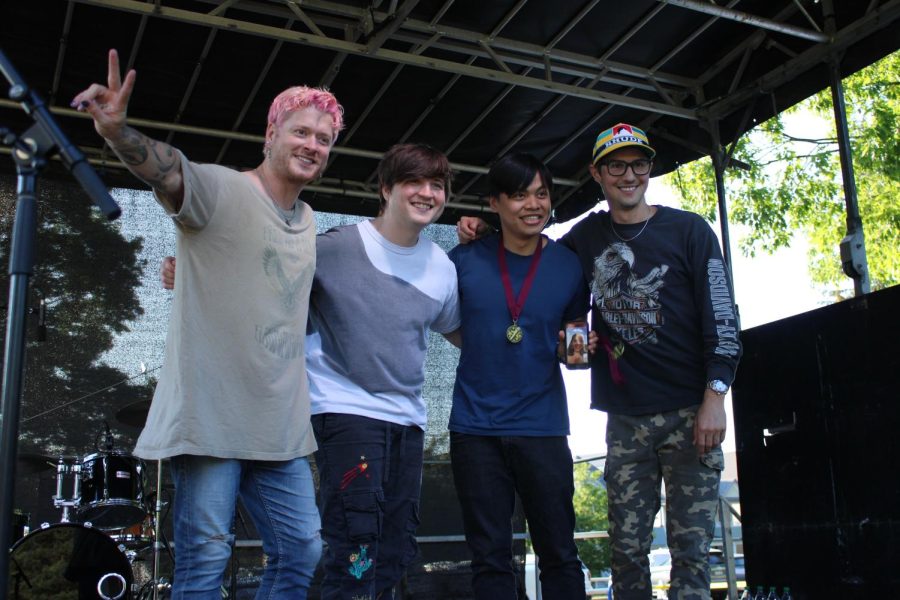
column 406, row 162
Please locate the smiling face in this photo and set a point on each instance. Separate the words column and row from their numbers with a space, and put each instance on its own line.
column 414, row 203
column 523, row 213
column 576, row 345
column 299, row 146
column 625, row 193
column 414, row 181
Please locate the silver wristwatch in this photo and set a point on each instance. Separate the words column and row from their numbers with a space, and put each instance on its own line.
column 718, row 386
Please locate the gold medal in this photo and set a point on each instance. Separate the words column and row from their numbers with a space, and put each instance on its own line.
column 514, row 334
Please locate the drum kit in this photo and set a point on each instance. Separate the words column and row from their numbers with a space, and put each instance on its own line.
column 109, row 524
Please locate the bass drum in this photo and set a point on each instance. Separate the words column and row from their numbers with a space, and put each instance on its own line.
column 68, row 561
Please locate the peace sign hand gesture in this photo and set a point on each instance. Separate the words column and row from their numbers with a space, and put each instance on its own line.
column 108, row 104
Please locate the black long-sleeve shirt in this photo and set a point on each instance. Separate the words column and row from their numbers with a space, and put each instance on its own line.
column 664, row 297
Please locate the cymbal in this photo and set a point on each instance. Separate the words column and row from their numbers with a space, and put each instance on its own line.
column 29, row 463
column 134, row 414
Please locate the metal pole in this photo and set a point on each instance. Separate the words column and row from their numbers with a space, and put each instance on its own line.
column 728, row 547
column 743, row 17
column 21, row 265
column 853, row 246
column 157, row 529
column 718, row 158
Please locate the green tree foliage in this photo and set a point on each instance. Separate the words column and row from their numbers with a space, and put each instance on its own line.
column 87, row 273
column 794, row 184
column 590, row 515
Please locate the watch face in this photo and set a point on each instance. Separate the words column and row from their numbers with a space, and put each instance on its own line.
column 718, row 386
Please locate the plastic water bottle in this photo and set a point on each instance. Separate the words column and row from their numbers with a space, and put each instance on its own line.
column 772, row 595
column 787, row 594
column 760, row 594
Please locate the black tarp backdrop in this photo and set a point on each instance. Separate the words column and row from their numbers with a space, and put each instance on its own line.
column 816, row 420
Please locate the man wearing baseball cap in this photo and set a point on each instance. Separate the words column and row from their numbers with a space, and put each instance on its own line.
column 663, row 308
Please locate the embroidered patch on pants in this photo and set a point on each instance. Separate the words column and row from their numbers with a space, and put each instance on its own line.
column 353, row 473
column 359, row 562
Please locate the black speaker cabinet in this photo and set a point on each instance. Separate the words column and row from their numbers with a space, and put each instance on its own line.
column 817, row 424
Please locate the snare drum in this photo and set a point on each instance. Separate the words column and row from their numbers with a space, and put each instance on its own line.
column 112, row 490
column 68, row 561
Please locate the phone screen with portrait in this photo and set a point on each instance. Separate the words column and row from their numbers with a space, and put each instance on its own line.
column 576, row 349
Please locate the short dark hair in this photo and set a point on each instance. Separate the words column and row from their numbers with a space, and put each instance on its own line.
column 515, row 172
column 407, row 162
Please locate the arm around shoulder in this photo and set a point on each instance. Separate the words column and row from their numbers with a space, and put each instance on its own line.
column 454, row 337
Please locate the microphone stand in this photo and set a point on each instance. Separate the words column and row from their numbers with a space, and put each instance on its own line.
column 30, row 153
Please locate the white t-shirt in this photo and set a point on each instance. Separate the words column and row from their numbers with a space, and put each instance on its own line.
column 372, row 305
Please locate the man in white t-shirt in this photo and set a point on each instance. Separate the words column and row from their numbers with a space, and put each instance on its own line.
column 380, row 286
column 232, row 407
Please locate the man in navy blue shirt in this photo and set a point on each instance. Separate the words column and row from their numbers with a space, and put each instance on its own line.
column 509, row 420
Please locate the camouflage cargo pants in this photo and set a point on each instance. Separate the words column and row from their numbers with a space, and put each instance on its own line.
column 640, row 450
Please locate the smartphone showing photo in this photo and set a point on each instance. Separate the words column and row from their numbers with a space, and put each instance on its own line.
column 577, row 345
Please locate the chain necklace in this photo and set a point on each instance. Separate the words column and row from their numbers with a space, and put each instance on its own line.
column 287, row 215
column 634, row 237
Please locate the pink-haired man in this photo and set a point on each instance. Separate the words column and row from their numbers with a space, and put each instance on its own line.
column 232, row 408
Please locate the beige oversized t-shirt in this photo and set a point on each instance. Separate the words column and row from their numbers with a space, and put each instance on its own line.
column 234, row 381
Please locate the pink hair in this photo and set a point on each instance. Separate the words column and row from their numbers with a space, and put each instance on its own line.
column 300, row 97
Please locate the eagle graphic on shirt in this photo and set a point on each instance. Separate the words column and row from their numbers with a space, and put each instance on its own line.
column 628, row 302
column 288, row 288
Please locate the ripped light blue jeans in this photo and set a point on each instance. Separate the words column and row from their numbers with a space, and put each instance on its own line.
column 279, row 496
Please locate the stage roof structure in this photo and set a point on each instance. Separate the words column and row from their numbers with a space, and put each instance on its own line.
column 476, row 79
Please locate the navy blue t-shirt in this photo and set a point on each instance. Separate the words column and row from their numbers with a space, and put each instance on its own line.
column 504, row 388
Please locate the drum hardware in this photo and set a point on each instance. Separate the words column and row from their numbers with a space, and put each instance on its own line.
column 20, row 524
column 59, row 501
column 137, row 537
column 157, row 520
column 156, row 585
column 135, row 415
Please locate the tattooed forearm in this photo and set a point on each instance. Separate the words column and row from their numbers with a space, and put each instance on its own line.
column 163, row 157
column 155, row 162
column 132, row 147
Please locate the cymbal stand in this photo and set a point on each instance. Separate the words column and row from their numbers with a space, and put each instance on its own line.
column 157, row 524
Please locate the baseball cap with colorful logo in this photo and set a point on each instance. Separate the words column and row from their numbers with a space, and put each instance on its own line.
column 621, row 136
